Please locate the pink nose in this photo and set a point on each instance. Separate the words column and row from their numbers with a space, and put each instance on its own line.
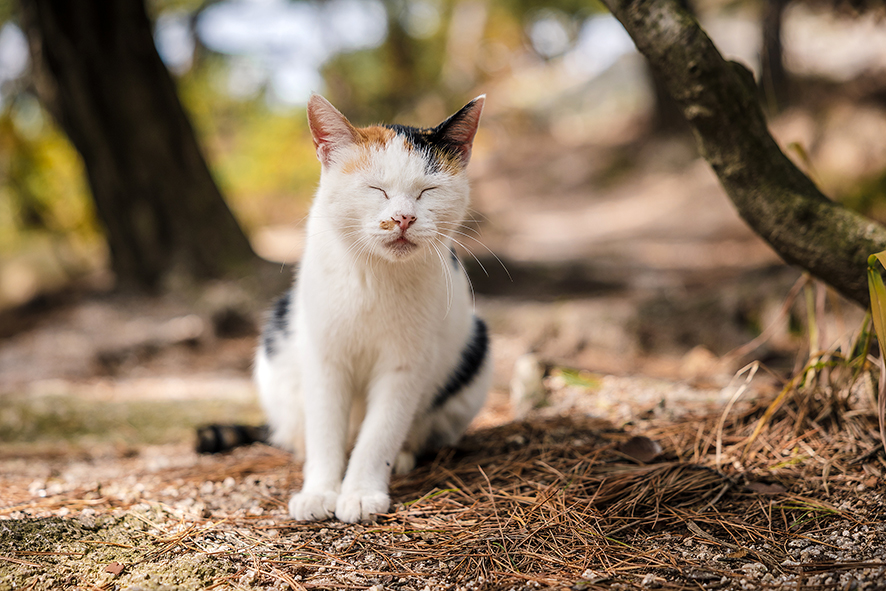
column 404, row 221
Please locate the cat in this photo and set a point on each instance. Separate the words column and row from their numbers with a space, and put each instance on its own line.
column 376, row 348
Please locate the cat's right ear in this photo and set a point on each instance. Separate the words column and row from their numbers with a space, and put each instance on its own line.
column 329, row 128
column 458, row 131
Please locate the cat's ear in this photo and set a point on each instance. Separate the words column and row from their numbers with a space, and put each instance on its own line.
column 457, row 132
column 329, row 128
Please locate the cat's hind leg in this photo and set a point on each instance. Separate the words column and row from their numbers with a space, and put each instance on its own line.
column 279, row 390
column 276, row 374
column 448, row 418
column 443, row 426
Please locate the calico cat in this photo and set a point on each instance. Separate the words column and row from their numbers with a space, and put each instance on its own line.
column 376, row 348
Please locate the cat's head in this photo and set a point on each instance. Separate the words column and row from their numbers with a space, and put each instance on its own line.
column 395, row 190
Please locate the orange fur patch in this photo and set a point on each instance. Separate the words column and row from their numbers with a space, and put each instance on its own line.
column 450, row 163
column 374, row 136
column 360, row 161
column 367, row 137
column 387, row 225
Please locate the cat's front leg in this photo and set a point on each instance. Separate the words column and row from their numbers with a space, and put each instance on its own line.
column 391, row 407
column 327, row 405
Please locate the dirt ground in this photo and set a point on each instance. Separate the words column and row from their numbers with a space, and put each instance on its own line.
column 639, row 469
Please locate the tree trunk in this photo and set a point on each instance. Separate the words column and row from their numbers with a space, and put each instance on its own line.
column 667, row 116
column 779, row 202
column 98, row 73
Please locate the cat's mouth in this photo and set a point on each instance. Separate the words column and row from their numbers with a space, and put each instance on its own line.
column 402, row 245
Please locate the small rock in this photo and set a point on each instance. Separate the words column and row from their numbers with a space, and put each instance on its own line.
column 527, row 387
column 700, row 363
column 86, row 520
column 640, row 448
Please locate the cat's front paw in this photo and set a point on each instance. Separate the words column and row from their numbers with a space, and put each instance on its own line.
column 361, row 506
column 307, row 506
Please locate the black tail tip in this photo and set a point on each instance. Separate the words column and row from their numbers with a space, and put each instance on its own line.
column 213, row 439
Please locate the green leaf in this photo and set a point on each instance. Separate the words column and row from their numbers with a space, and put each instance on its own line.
column 878, row 312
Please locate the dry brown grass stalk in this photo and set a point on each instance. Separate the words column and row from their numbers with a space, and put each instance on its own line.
column 547, row 503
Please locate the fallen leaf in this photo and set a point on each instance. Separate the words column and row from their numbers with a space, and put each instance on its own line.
column 115, row 568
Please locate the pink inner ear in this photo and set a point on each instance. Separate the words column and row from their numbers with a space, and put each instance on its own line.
column 464, row 131
column 330, row 129
column 460, row 129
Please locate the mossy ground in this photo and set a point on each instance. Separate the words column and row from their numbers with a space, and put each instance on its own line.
column 53, row 420
column 552, row 502
column 55, row 432
column 78, row 552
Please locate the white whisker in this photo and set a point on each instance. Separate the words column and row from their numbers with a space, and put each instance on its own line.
column 470, row 253
column 461, row 226
column 489, row 250
column 447, row 277
column 471, row 213
column 447, row 273
column 470, row 283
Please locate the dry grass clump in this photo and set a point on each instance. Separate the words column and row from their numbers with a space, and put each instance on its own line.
column 557, row 502
column 775, row 493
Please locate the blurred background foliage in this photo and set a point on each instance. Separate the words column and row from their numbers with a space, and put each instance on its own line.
column 245, row 68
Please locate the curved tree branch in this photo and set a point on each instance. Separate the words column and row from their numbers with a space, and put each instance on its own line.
column 779, row 202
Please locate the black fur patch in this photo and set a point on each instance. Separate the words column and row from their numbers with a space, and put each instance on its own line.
column 437, row 144
column 213, row 439
column 278, row 323
column 424, row 141
column 472, row 358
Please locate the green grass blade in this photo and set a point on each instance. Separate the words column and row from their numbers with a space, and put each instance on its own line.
column 878, row 312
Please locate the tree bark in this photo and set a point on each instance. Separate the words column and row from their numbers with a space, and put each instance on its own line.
column 667, row 116
column 98, row 73
column 779, row 202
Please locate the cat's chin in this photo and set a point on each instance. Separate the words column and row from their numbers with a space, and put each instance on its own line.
column 400, row 249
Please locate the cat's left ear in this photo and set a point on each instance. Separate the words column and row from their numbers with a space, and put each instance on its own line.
column 458, row 131
column 329, row 128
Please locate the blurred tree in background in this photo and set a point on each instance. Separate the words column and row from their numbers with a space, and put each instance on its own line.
column 775, row 198
column 242, row 71
column 95, row 68
column 140, row 175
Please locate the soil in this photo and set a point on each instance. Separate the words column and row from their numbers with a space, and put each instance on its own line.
column 633, row 298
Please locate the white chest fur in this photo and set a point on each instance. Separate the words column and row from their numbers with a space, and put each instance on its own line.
column 377, row 348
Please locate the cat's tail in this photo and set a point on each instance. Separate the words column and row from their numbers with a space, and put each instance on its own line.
column 213, row 439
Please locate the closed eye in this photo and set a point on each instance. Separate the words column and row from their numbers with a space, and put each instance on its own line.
column 379, row 189
column 423, row 192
